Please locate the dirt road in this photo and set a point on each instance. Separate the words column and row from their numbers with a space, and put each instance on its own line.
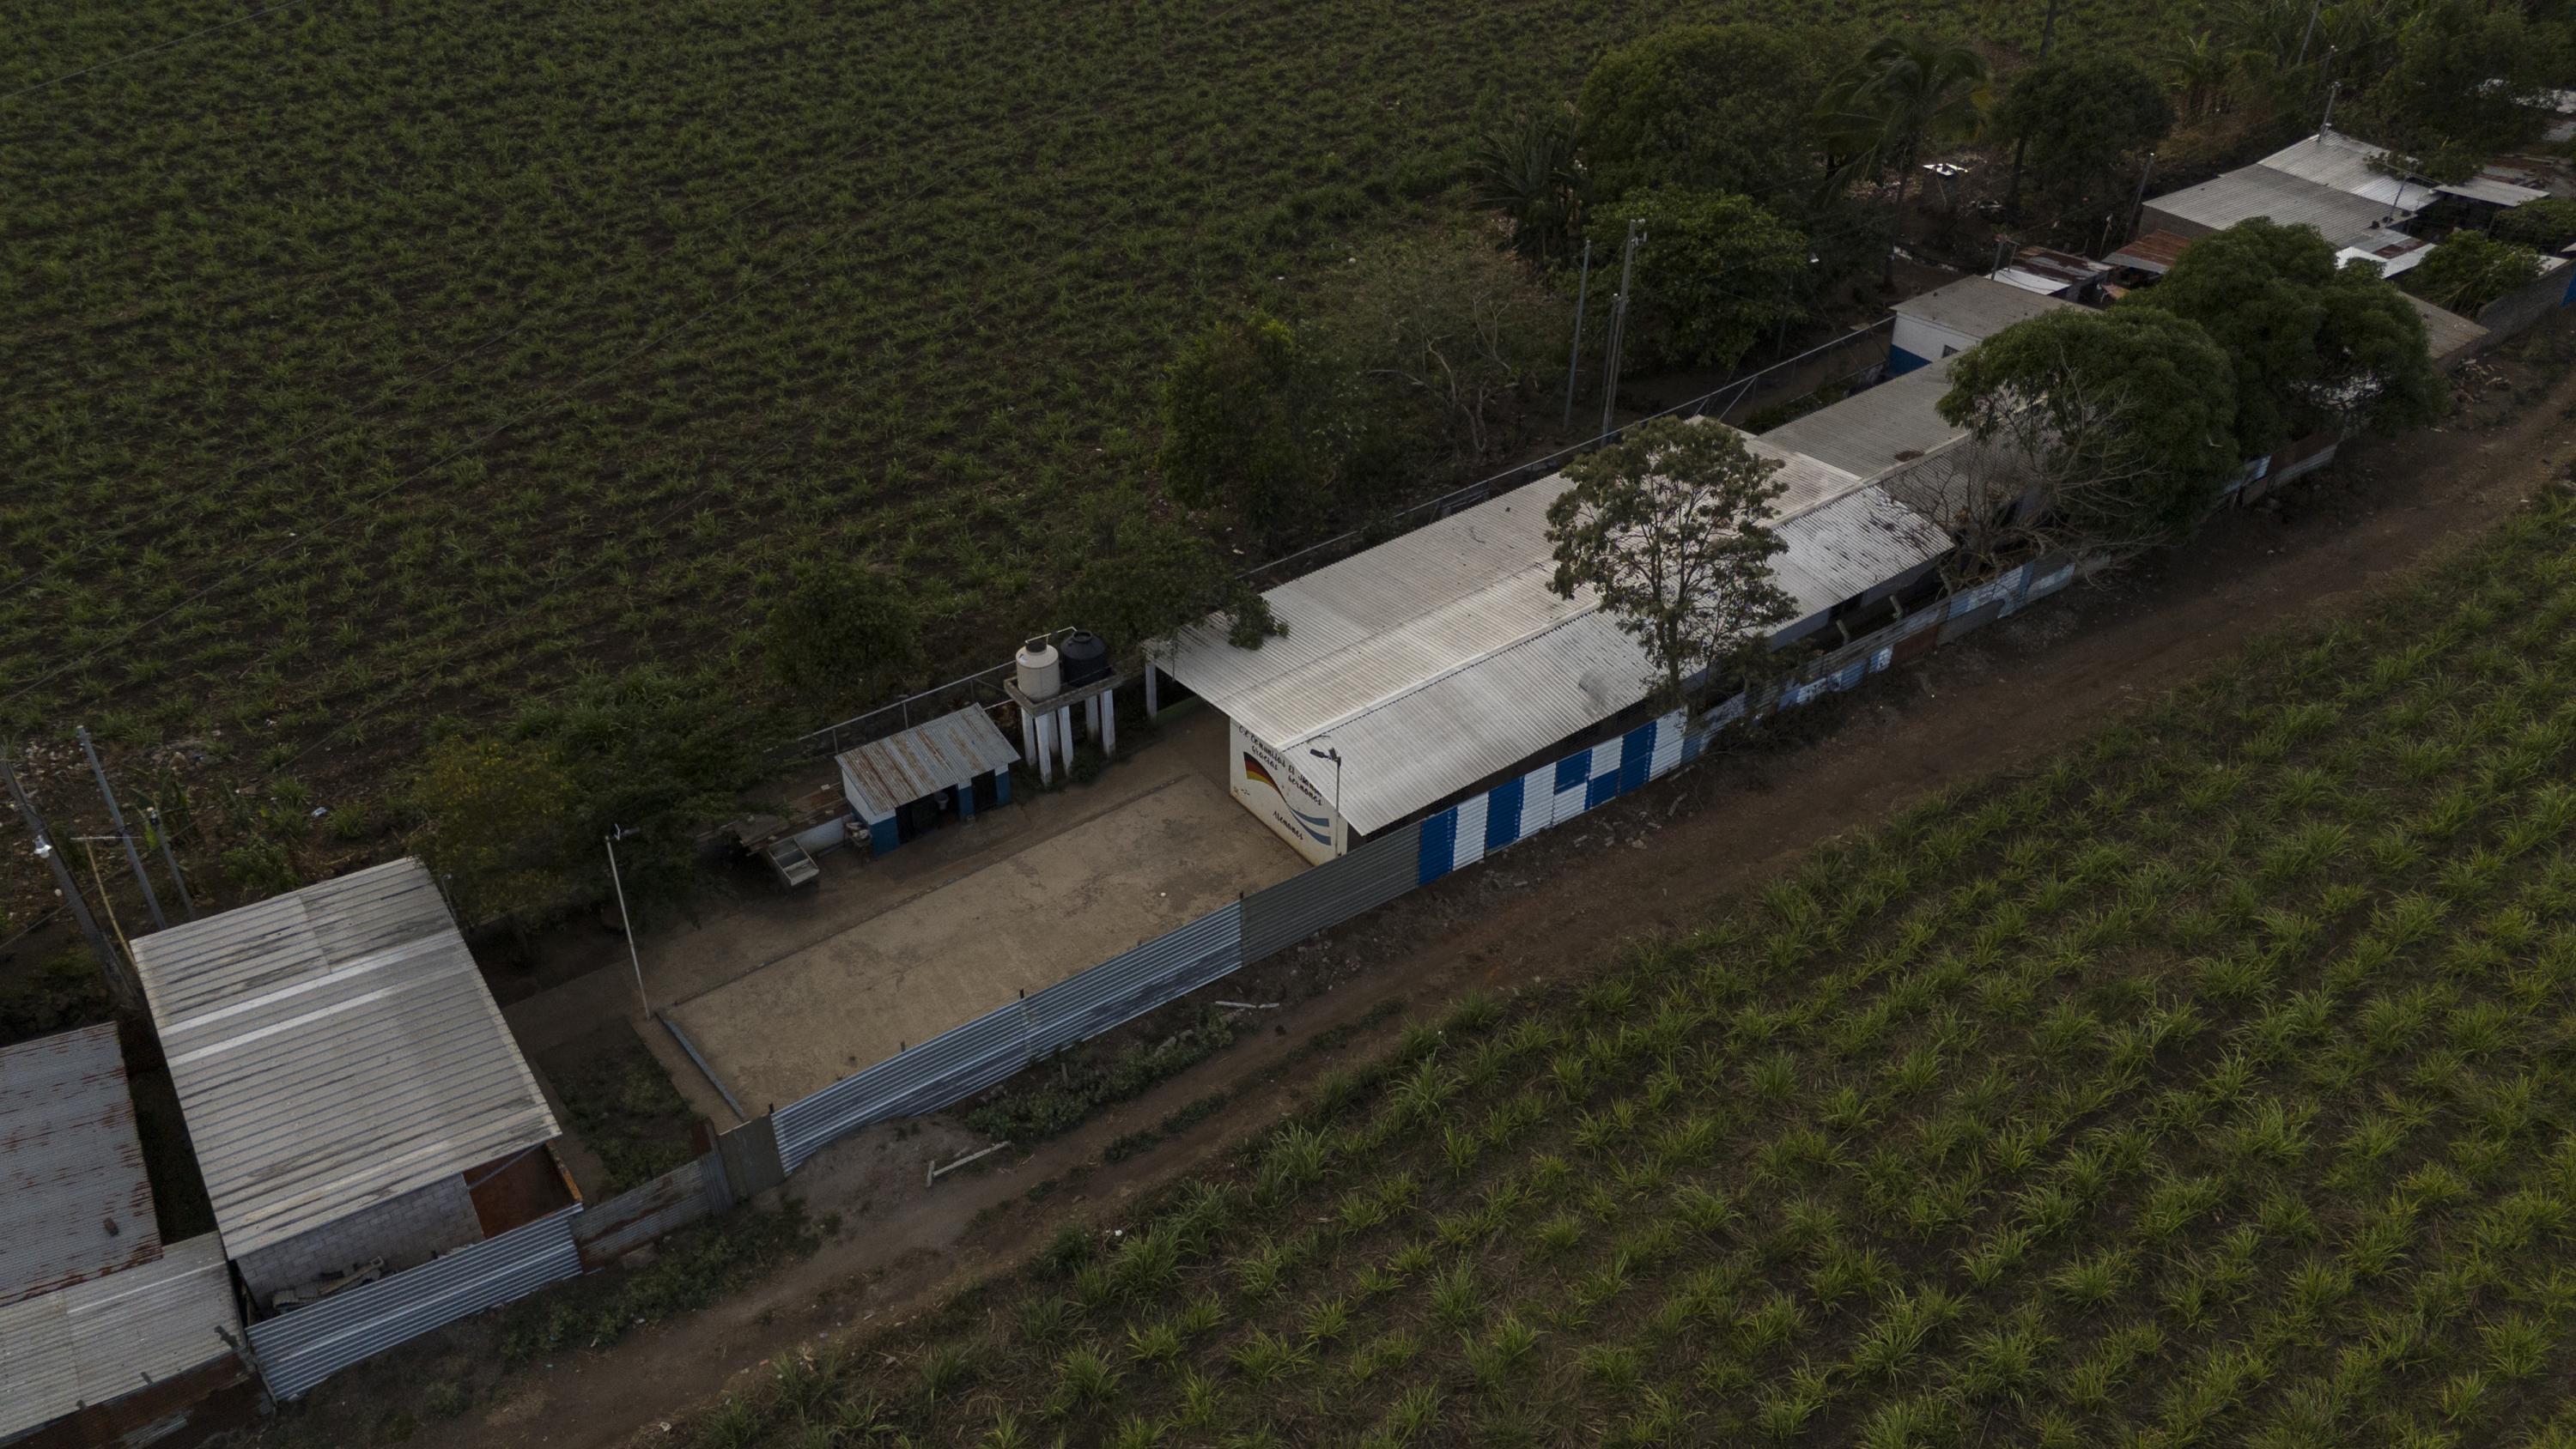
column 1553, row 907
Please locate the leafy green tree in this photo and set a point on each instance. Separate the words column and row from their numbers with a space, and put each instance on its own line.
column 1526, row 170
column 2075, row 121
column 1724, row 107
column 2313, row 346
column 2105, row 432
column 1147, row 575
column 1668, row 529
column 1715, row 274
column 2544, row 225
column 1239, row 418
column 1441, row 329
column 843, row 635
column 663, row 754
column 1905, row 97
column 496, row 818
column 2454, row 94
column 2469, row 270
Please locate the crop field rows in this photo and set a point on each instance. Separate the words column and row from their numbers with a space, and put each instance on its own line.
column 2208, row 1085
column 372, row 362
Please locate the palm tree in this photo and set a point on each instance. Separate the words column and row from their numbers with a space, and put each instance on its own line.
column 1527, row 171
column 2200, row 66
column 1904, row 95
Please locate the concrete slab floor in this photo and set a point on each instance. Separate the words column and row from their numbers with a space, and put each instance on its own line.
column 1164, row 857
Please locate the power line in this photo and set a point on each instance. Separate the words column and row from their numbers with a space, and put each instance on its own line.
column 117, row 60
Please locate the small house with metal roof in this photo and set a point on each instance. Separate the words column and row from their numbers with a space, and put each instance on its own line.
column 1414, row 670
column 900, row 785
column 356, row 1102
column 1950, row 319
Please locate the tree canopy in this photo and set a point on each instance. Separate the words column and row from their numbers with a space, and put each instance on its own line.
column 2126, row 419
column 843, row 635
column 1715, row 274
column 1669, row 527
column 2455, row 93
column 1240, row 412
column 2313, row 346
column 495, row 821
column 1904, row 95
column 2469, row 270
column 2544, row 225
column 1146, row 575
column 2080, row 118
column 1724, row 107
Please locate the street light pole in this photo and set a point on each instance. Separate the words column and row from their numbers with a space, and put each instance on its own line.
column 617, row 833
column 1341, row 830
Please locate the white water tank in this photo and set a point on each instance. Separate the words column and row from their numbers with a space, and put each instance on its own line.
column 1041, row 671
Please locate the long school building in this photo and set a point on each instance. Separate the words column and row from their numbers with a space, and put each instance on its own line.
column 1415, row 671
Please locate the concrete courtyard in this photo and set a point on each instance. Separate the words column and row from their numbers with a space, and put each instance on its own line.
column 986, row 911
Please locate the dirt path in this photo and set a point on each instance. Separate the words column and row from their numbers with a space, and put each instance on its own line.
column 1548, row 908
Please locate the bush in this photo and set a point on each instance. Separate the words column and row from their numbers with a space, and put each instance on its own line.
column 1238, row 422
column 2470, row 270
column 1714, row 275
column 2544, row 225
column 844, row 636
column 494, row 814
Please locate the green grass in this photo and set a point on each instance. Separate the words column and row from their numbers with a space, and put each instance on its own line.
column 623, row 1105
column 372, row 363
column 2209, row 1084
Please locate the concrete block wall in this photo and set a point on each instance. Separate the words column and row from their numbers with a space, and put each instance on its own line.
column 405, row 1231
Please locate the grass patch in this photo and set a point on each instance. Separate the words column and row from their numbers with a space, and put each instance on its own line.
column 622, row 1105
column 2211, row 1082
column 1053, row 1098
column 690, row 1269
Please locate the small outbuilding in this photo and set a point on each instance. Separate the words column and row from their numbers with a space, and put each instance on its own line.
column 901, row 785
column 356, row 1102
column 1949, row 320
column 75, row 1202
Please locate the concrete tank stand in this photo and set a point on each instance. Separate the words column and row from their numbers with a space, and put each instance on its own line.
column 1046, row 725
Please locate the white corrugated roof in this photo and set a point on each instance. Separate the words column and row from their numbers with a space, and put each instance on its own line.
column 75, row 1202
column 110, row 1336
column 1441, row 657
column 1877, row 428
column 882, row 776
column 2251, row 191
column 334, row 1048
column 1979, row 306
column 2333, row 159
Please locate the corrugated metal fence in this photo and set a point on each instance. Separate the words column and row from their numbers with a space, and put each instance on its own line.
column 300, row 1349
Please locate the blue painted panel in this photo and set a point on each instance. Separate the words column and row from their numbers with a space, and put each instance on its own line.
column 1601, row 791
column 1503, row 814
column 1573, row 770
column 1002, row 787
column 882, row 836
column 1901, row 362
column 1640, row 758
column 1439, row 845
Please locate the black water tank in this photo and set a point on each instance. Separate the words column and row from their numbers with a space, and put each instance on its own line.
column 1086, row 659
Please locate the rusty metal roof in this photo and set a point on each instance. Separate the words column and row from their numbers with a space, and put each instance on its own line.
column 75, row 1203
column 885, row 775
column 334, row 1048
column 101, row 1340
column 2156, row 252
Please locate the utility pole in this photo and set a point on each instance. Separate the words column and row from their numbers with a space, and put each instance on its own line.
column 2012, row 192
column 63, row 882
column 1574, row 355
column 2333, row 88
column 617, row 833
column 1618, row 327
column 116, row 818
column 161, row 833
column 2138, row 212
column 2311, row 33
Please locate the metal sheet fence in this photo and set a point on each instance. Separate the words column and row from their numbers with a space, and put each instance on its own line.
column 1287, row 913
column 610, row 1230
column 300, row 1349
column 965, row 1060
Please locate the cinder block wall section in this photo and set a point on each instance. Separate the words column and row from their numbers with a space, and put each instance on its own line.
column 405, row 1232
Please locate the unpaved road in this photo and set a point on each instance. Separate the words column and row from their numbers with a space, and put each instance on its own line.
column 1545, row 910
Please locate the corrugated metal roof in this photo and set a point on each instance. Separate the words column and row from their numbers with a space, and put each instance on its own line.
column 103, row 1339
column 2393, row 251
column 2251, row 191
column 1977, row 306
column 2048, row 271
column 1441, row 657
column 2445, row 333
column 885, row 775
column 2496, row 187
column 333, row 1048
column 2156, row 252
column 75, row 1202
column 2333, row 159
column 1877, row 428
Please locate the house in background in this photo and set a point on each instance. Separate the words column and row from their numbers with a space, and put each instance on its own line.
column 107, row 1335
column 1951, row 319
column 356, row 1102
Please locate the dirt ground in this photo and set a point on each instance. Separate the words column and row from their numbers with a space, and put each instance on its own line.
column 1554, row 907
column 1174, row 852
